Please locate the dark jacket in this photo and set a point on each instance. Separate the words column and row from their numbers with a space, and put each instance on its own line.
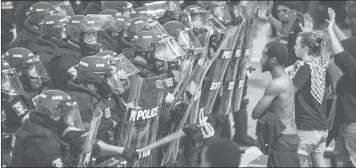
column 36, row 125
column 108, row 42
column 112, row 108
column 27, row 36
column 44, row 48
column 269, row 128
column 66, row 55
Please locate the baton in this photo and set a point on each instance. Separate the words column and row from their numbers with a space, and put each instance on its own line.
column 163, row 141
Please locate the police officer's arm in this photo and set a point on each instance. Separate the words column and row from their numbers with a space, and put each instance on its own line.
column 107, row 149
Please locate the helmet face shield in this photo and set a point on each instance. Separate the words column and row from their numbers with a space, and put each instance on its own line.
column 169, row 49
column 221, row 12
column 114, row 82
column 93, row 22
column 71, row 115
column 36, row 69
column 188, row 40
column 90, row 38
column 10, row 82
column 197, row 20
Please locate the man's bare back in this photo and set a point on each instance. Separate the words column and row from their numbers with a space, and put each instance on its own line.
column 283, row 104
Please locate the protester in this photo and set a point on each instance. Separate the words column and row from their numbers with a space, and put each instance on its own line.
column 284, row 8
column 311, row 80
column 345, row 58
column 276, row 111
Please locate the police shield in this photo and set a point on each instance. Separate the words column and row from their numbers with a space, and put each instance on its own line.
column 244, row 58
column 214, row 78
column 91, row 137
column 140, row 122
column 230, row 77
column 66, row 7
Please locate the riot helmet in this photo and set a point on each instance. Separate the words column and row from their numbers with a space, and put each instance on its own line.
column 196, row 17
column 65, row 7
column 60, row 108
column 10, row 82
column 163, row 11
column 29, row 65
column 108, row 55
column 122, row 23
column 184, row 36
column 39, row 11
column 54, row 26
column 74, row 27
column 95, row 70
column 88, row 36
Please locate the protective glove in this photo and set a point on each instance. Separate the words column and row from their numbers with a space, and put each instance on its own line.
column 130, row 154
column 193, row 133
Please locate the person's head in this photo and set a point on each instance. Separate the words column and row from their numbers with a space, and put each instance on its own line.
column 221, row 153
column 95, row 73
column 39, row 11
column 309, row 44
column 60, row 108
column 113, row 29
column 284, row 6
column 32, row 71
column 53, row 26
column 274, row 54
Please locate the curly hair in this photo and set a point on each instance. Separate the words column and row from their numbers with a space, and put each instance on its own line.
column 314, row 41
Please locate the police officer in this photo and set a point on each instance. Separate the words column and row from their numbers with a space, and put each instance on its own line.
column 80, row 43
column 38, row 141
column 32, row 75
column 95, row 84
column 35, row 15
column 52, row 35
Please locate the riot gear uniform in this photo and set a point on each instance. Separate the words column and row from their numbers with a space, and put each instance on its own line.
column 31, row 30
column 94, row 71
column 82, row 33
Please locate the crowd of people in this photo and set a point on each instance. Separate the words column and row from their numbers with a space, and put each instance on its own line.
column 152, row 83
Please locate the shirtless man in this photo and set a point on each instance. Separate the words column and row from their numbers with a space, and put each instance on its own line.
column 279, row 99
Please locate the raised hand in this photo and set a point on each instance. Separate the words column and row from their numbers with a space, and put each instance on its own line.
column 308, row 23
column 331, row 20
column 269, row 9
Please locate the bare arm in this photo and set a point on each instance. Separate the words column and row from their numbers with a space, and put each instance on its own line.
column 273, row 89
column 335, row 43
column 276, row 23
column 339, row 33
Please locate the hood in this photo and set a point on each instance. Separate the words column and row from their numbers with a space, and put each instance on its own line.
column 30, row 28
